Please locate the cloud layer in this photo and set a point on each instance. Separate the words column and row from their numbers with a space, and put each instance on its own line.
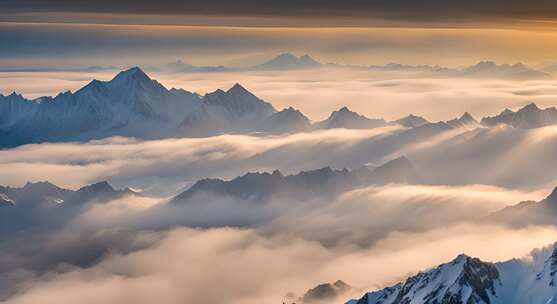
column 234, row 266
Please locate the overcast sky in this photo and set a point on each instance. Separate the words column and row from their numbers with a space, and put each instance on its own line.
column 236, row 33
column 424, row 10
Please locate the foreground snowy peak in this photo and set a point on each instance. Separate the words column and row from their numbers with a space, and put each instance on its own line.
column 528, row 117
column 465, row 280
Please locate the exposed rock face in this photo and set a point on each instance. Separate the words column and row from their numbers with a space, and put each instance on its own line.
column 468, row 280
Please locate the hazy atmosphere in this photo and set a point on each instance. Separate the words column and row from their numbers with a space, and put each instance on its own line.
column 310, row 152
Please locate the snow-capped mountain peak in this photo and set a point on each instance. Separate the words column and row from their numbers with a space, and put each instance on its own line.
column 531, row 279
column 134, row 82
column 463, row 280
column 131, row 74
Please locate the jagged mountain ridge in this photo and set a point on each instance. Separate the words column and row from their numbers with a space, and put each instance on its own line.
column 465, row 280
column 344, row 118
column 232, row 111
column 132, row 104
column 465, row 121
column 528, row 117
column 260, row 187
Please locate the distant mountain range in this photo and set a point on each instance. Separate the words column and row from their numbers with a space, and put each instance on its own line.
column 532, row 279
column 134, row 105
column 288, row 61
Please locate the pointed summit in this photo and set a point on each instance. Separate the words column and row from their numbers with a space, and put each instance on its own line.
column 100, row 187
column 133, row 84
column 131, row 72
column 131, row 75
column 345, row 118
column 344, row 110
column 465, row 121
column 288, row 120
column 15, row 95
column 530, row 107
column 461, row 258
column 238, row 88
column 412, row 121
column 466, row 116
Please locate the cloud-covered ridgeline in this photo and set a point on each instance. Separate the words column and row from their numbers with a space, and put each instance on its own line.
column 110, row 247
column 509, row 157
